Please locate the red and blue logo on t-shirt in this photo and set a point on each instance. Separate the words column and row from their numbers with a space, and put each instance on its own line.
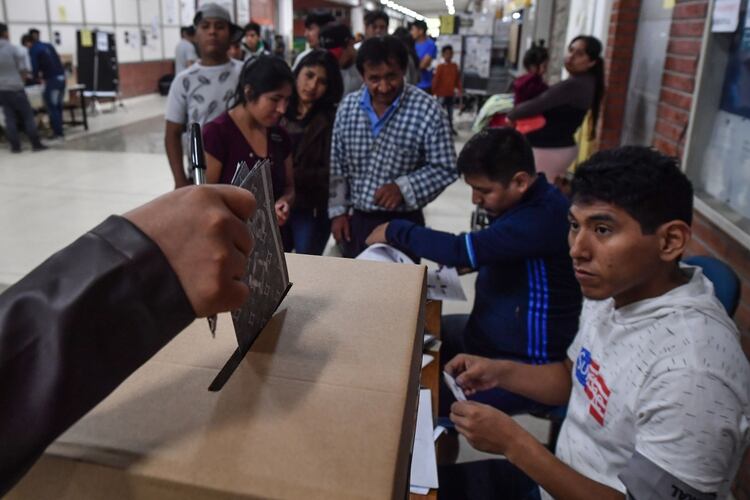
column 594, row 386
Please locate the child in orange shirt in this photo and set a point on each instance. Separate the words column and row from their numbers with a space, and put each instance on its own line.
column 446, row 84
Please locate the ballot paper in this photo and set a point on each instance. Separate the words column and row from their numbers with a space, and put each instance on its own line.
column 266, row 272
column 442, row 283
column 423, row 474
column 458, row 393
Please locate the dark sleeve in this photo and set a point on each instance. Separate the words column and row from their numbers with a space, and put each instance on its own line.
column 213, row 143
column 557, row 95
column 519, row 236
column 76, row 327
column 644, row 480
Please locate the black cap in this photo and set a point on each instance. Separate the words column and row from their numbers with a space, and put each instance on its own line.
column 335, row 36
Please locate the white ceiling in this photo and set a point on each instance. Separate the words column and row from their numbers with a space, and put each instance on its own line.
column 431, row 8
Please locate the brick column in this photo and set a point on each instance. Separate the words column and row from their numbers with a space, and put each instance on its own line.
column 678, row 80
column 618, row 59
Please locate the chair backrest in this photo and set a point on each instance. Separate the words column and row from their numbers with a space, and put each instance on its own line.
column 726, row 283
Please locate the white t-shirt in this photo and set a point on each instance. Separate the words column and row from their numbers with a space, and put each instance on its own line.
column 301, row 56
column 662, row 382
column 201, row 93
column 185, row 52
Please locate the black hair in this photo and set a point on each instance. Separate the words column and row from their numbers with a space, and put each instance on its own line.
column 374, row 15
column 403, row 34
column 34, row 31
column 594, row 51
column 251, row 26
column 536, row 55
column 334, row 89
column 3, row 28
column 382, row 50
column 335, row 35
column 645, row 183
column 498, row 154
column 419, row 24
column 319, row 17
column 446, row 47
column 263, row 74
column 24, row 38
column 187, row 30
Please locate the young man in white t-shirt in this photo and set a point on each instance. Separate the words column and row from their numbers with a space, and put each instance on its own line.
column 656, row 382
column 201, row 92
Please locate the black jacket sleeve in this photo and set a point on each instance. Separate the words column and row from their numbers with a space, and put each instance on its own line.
column 75, row 328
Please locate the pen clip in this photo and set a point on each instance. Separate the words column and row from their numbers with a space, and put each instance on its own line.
column 197, row 158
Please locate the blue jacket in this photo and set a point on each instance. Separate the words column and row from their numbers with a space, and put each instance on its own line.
column 527, row 299
column 44, row 60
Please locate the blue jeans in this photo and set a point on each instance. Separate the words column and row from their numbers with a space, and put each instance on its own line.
column 54, row 93
column 15, row 103
column 307, row 231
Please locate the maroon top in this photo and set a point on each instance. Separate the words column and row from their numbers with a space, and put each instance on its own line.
column 527, row 87
column 223, row 140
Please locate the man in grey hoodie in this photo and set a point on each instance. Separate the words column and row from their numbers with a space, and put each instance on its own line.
column 658, row 404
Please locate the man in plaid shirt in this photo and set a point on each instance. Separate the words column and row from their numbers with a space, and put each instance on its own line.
column 392, row 149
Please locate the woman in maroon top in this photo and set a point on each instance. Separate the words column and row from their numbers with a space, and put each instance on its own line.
column 249, row 130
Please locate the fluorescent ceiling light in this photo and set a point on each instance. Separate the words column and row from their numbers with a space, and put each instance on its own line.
column 404, row 10
column 451, row 8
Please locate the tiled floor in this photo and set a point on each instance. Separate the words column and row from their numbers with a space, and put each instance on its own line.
column 47, row 199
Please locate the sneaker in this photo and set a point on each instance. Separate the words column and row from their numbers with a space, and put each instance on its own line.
column 15, row 150
column 39, row 147
column 58, row 139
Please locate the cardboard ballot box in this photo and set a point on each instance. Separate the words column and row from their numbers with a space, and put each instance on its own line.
column 323, row 405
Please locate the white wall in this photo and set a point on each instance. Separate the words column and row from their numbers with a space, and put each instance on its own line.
column 159, row 19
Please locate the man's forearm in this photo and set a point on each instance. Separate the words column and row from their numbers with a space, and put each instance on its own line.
column 557, row 478
column 173, row 145
column 548, row 384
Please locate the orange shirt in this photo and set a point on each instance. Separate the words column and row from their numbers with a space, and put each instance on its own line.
column 447, row 78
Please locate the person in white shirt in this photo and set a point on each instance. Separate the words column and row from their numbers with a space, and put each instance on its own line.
column 314, row 22
column 656, row 381
column 201, row 92
column 185, row 53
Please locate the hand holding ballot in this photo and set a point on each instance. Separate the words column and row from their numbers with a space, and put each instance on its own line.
column 486, row 428
column 474, row 373
column 209, row 221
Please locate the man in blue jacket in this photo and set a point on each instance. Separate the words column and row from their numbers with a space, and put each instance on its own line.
column 527, row 299
column 46, row 65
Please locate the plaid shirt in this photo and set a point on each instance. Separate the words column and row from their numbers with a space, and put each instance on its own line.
column 414, row 149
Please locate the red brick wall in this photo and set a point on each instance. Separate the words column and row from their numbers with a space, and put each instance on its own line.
column 142, row 77
column 618, row 59
column 678, row 80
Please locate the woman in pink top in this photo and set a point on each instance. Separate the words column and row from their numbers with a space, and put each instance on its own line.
column 249, row 130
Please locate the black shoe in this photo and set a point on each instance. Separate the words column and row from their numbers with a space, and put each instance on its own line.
column 15, row 150
column 39, row 147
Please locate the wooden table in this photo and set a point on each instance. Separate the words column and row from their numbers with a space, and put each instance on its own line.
column 430, row 377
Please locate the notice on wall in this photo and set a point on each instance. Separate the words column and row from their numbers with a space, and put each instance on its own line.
column 726, row 16
column 102, row 42
column 86, row 39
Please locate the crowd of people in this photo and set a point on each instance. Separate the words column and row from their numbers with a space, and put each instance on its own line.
column 581, row 301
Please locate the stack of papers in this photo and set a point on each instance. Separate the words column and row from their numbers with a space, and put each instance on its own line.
column 423, row 461
column 442, row 283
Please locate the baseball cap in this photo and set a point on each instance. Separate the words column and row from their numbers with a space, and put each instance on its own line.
column 215, row 11
column 335, row 36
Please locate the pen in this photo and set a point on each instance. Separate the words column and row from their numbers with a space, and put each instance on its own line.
column 198, row 166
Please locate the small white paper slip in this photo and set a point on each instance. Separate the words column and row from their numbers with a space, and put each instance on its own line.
column 437, row 432
column 423, row 473
column 444, row 284
column 458, row 393
column 426, row 359
column 417, row 490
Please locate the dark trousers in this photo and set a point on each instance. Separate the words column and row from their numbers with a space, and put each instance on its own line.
column 452, row 334
column 363, row 223
column 307, row 231
column 15, row 103
column 447, row 103
column 54, row 92
column 485, row 479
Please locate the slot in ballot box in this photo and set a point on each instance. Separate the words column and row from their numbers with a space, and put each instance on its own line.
column 322, row 407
